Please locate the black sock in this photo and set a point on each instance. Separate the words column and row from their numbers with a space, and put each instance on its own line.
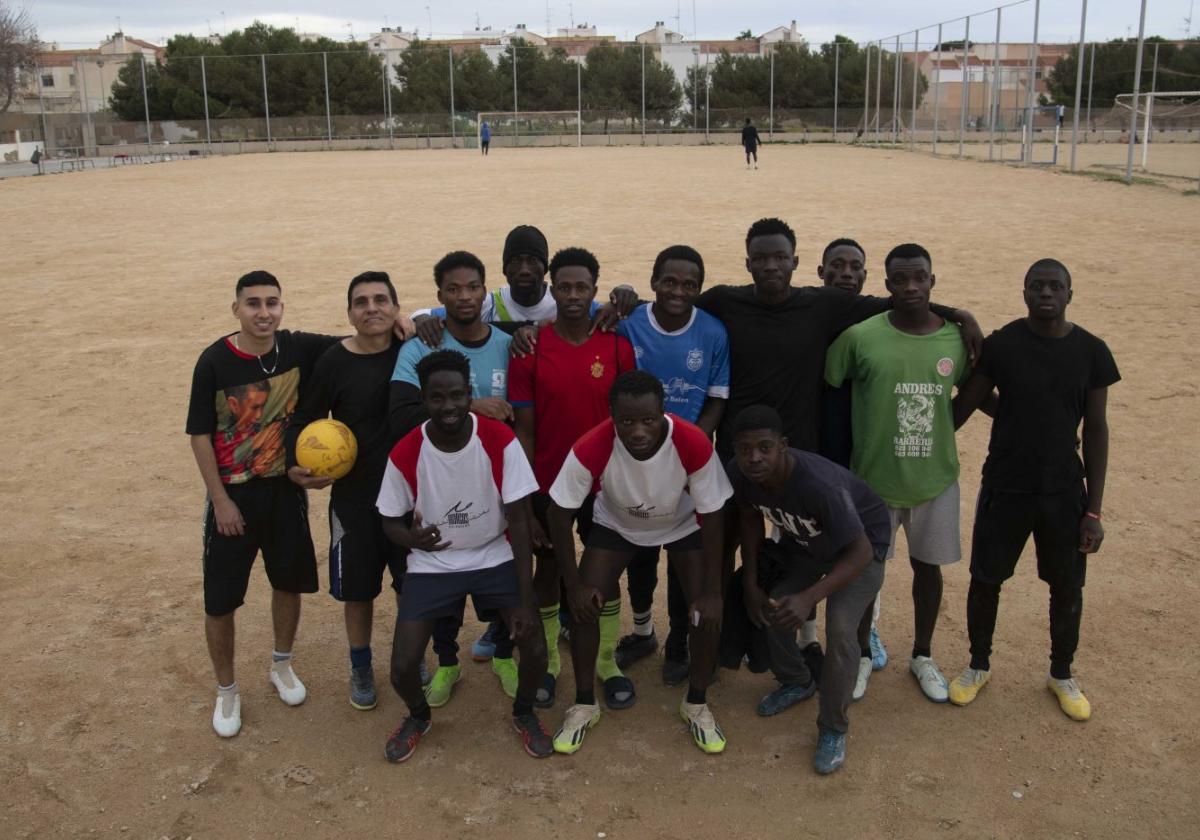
column 920, row 651
column 981, row 663
column 522, row 707
column 422, row 712
column 865, row 653
column 696, row 696
column 585, row 697
column 1060, row 670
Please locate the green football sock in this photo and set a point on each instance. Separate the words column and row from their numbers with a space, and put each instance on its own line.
column 610, row 629
column 551, row 624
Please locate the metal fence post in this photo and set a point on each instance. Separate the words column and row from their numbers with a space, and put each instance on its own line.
column 912, row 127
column 387, row 98
column 1137, row 87
column 1078, row 83
column 1091, row 78
column 1027, row 153
column 771, row 101
column 579, row 103
column 266, row 101
column 145, row 101
column 896, row 96
column 1150, row 109
column 87, row 108
column 997, row 91
column 867, row 91
column 937, row 86
column 328, row 117
column 37, row 68
column 643, row 94
column 695, row 88
column 453, row 132
column 204, row 91
column 878, row 87
column 964, row 100
column 707, row 86
column 836, row 74
column 516, row 121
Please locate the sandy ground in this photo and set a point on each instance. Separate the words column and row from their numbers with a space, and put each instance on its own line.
column 113, row 281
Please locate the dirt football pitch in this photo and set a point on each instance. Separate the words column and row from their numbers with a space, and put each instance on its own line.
column 113, row 282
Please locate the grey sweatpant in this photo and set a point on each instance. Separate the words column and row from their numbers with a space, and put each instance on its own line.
column 843, row 611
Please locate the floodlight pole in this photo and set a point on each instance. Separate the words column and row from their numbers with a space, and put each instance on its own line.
column 964, row 101
column 453, row 132
column 912, row 123
column 836, row 76
column 1091, row 78
column 1027, row 151
column 1137, row 86
column 937, row 88
column 1078, row 83
column 204, row 91
column 328, row 116
column 997, row 90
column 145, row 101
column 1150, row 108
column 266, row 102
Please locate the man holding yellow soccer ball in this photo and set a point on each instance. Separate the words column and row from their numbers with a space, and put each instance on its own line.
column 352, row 381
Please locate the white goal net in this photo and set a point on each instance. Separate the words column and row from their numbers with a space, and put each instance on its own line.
column 515, row 128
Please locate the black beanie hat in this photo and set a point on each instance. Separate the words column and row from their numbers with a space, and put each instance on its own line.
column 526, row 240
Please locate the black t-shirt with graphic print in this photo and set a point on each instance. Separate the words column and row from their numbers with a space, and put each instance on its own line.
column 1043, row 384
column 246, row 402
column 821, row 509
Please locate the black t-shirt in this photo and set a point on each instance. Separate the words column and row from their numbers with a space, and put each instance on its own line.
column 750, row 137
column 821, row 509
column 354, row 387
column 1043, row 384
column 246, row 402
column 777, row 352
column 837, row 434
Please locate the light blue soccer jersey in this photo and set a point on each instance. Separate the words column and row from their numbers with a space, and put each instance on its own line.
column 489, row 363
column 692, row 363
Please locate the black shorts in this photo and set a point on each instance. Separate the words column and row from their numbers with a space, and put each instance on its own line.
column 275, row 511
column 359, row 551
column 610, row 540
column 583, row 519
column 1003, row 523
column 430, row 595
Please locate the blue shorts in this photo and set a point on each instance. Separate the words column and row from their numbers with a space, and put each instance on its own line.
column 429, row 595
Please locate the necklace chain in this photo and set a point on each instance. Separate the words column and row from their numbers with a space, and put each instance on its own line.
column 274, row 347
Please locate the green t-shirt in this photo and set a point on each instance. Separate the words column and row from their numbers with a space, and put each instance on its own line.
column 902, row 419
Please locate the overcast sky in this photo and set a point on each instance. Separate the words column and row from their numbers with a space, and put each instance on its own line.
column 86, row 23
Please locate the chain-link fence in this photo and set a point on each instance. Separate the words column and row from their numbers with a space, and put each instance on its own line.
column 944, row 87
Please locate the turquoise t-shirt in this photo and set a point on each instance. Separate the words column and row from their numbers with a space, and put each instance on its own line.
column 489, row 362
column 901, row 415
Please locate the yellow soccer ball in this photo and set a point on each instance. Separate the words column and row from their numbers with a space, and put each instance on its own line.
column 327, row 448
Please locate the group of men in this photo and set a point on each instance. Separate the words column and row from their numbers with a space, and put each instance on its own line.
column 803, row 426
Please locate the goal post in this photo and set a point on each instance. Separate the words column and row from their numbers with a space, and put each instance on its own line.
column 1163, row 105
column 530, row 125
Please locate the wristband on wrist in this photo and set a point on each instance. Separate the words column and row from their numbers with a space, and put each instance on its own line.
column 1091, row 515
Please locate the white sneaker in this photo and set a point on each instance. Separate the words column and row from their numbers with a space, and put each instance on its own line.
column 930, row 678
column 291, row 690
column 864, row 674
column 227, row 714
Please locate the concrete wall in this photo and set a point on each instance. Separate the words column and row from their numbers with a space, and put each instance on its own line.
column 13, row 152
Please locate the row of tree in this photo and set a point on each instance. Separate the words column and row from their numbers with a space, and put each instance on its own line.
column 610, row 79
column 1115, row 63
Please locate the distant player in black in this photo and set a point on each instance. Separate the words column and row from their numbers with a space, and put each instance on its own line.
column 1051, row 374
column 352, row 380
column 750, row 143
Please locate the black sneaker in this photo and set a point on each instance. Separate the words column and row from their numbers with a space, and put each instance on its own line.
column 403, row 742
column 676, row 665
column 534, row 738
column 633, row 647
column 814, row 658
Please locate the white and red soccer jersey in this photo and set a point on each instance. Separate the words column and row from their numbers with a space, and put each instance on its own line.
column 651, row 502
column 463, row 493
